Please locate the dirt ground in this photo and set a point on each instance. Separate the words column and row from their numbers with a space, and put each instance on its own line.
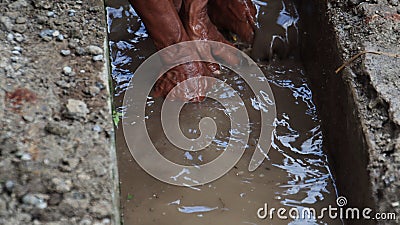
column 57, row 162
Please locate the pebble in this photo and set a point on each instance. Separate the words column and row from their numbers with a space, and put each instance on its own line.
column 6, row 21
column 97, row 128
column 80, row 51
column 76, row 109
column 26, row 157
column 93, row 90
column 65, row 52
column 10, row 37
column 67, row 70
column 19, row 4
column 51, row 14
column 60, row 37
column 34, row 200
column 56, row 33
column 94, row 50
column 28, row 118
column 71, row 12
column 60, row 185
column 98, row 58
column 14, row 58
column 85, row 221
column 395, row 204
column 100, row 85
column 46, row 35
column 20, row 20
column 57, row 128
column 9, row 185
column 19, row 37
column 20, row 28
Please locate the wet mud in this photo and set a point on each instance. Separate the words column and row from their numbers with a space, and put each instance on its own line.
column 297, row 173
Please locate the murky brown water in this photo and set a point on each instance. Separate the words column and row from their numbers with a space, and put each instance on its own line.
column 297, row 173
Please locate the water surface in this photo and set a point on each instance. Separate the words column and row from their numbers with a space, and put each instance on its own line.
column 296, row 174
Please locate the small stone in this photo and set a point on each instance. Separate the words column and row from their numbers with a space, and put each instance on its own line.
column 106, row 221
column 98, row 58
column 57, row 129
column 47, row 35
column 19, row 4
column 5, row 22
column 28, row 118
column 9, row 185
column 19, row 37
column 76, row 109
column 26, row 157
column 85, row 221
column 71, row 12
column 56, row 33
column 65, row 52
column 93, row 90
column 20, row 28
column 97, row 128
column 20, row 20
column 80, row 51
column 94, row 50
column 67, row 70
column 395, row 204
column 51, row 14
column 60, row 185
column 100, row 85
column 34, row 200
column 60, row 37
column 10, row 37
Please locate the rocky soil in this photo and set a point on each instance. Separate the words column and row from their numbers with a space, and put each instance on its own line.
column 57, row 164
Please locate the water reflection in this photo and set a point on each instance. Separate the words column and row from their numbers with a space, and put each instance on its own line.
column 296, row 173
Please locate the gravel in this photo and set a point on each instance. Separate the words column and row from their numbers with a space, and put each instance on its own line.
column 58, row 119
column 67, row 70
column 94, row 50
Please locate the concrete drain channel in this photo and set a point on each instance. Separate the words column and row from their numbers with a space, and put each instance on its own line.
column 335, row 150
column 319, row 155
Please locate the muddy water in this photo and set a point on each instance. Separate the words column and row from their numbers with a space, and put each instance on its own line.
column 296, row 174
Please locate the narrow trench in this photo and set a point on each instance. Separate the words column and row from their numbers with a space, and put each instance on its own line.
column 297, row 173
